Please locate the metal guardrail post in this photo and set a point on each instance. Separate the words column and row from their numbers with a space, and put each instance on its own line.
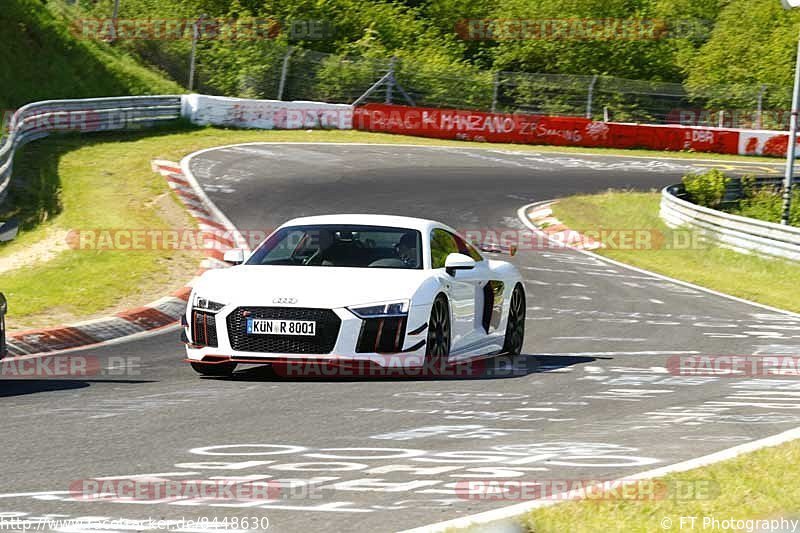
column 760, row 106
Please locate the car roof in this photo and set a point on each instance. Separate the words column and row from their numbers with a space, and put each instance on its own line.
column 391, row 221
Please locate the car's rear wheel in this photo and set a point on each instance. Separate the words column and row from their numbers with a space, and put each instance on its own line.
column 217, row 369
column 437, row 346
column 515, row 329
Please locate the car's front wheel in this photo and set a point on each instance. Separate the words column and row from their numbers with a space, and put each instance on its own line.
column 515, row 329
column 437, row 346
column 217, row 369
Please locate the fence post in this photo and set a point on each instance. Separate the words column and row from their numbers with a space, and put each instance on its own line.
column 195, row 36
column 390, row 80
column 791, row 149
column 284, row 71
column 495, row 87
column 605, row 113
column 590, row 97
column 760, row 105
column 721, row 118
column 114, row 16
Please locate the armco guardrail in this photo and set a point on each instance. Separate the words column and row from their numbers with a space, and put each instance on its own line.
column 739, row 233
column 39, row 119
column 133, row 112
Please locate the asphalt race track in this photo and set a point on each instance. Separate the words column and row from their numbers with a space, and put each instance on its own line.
column 594, row 398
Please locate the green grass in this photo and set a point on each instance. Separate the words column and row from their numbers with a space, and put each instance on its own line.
column 63, row 184
column 759, row 485
column 43, row 60
column 768, row 281
column 103, row 181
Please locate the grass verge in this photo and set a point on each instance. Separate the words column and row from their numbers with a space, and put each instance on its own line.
column 65, row 183
column 753, row 486
column 103, row 181
column 768, row 281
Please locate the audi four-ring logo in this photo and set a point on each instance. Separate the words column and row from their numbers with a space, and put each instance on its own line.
column 280, row 300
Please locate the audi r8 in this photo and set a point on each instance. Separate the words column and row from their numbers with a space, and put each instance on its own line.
column 385, row 290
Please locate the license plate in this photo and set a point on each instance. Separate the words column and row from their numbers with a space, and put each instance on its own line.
column 263, row 326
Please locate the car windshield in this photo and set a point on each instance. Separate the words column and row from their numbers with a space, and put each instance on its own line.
column 341, row 246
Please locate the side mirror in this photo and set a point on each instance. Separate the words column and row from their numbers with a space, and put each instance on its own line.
column 9, row 230
column 235, row 256
column 3, row 304
column 456, row 262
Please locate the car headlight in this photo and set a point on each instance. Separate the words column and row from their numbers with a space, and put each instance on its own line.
column 205, row 304
column 381, row 309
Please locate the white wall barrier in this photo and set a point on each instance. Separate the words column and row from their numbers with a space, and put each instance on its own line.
column 265, row 114
column 764, row 142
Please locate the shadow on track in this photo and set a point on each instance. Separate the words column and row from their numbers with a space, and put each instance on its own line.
column 500, row 367
column 21, row 387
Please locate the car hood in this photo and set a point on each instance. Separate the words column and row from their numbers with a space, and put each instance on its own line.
column 326, row 287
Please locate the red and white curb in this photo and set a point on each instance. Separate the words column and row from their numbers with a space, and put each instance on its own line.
column 218, row 235
column 542, row 217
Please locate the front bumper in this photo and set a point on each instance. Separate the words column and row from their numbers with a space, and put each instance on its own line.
column 345, row 352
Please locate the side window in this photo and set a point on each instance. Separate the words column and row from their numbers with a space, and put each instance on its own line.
column 467, row 249
column 442, row 245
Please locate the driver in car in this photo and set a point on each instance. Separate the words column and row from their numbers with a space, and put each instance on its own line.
column 406, row 249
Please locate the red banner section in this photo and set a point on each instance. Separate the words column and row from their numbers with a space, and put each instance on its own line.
column 535, row 129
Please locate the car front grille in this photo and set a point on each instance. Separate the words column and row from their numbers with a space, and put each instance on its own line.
column 327, row 330
column 204, row 329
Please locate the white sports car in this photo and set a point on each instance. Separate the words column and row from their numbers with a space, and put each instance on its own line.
column 355, row 289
